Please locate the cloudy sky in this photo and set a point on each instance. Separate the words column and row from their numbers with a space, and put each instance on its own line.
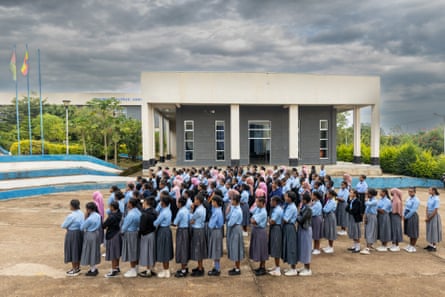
column 99, row 45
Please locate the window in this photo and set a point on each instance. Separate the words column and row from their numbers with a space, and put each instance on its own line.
column 219, row 138
column 189, row 140
column 324, row 143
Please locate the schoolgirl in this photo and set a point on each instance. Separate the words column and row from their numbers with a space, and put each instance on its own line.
column 91, row 240
column 289, row 254
column 258, row 250
column 198, row 246
column 329, row 221
column 235, row 242
column 362, row 188
column 73, row 237
column 370, row 219
column 340, row 212
column 215, row 245
column 396, row 219
column 147, row 247
column 164, row 239
column 275, row 234
column 384, row 222
column 130, row 241
column 411, row 220
column 113, row 244
column 304, row 236
column 99, row 201
column 244, row 202
column 353, row 208
column 317, row 222
column 433, row 221
column 182, row 254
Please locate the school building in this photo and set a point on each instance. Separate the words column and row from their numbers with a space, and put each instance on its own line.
column 231, row 118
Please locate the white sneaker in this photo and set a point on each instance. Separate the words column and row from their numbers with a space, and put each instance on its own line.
column 291, row 272
column 329, row 250
column 305, row 272
column 412, row 250
column 300, row 269
column 407, row 247
column 161, row 274
column 167, row 273
column 271, row 269
column 131, row 273
column 394, row 248
column 382, row 249
column 365, row 251
column 341, row 233
column 316, row 252
column 245, row 234
column 275, row 272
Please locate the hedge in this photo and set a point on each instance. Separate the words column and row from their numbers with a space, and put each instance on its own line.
column 50, row 148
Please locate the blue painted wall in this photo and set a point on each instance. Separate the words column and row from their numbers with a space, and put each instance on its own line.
column 34, row 158
column 53, row 172
column 393, row 182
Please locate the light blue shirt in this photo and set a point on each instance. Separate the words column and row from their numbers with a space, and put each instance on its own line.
column 164, row 219
column 316, row 208
column 322, row 173
column 74, row 220
column 131, row 221
column 432, row 203
column 199, row 217
column 216, row 220
column 330, row 206
column 343, row 194
column 235, row 216
column 182, row 219
column 411, row 207
column 385, row 204
column 290, row 213
column 371, row 206
column 277, row 214
column 111, row 198
column 260, row 217
column 244, row 197
column 92, row 223
column 361, row 187
column 188, row 204
column 128, row 196
column 158, row 196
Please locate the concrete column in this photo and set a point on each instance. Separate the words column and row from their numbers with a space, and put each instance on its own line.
column 357, row 135
column 148, row 137
column 167, row 139
column 234, row 135
column 375, row 134
column 293, row 135
column 161, row 138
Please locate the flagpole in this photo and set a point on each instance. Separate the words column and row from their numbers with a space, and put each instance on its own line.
column 17, row 103
column 41, row 107
column 29, row 107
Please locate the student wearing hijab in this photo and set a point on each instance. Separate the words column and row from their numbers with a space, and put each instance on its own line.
column 396, row 219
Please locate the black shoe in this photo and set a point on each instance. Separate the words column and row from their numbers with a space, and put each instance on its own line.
column 214, row 272
column 198, row 273
column 351, row 249
column 73, row 272
column 185, row 272
column 145, row 274
column 180, row 274
column 432, row 249
column 92, row 273
column 355, row 251
column 427, row 247
column 112, row 273
column 117, row 270
column 234, row 272
column 260, row 271
column 195, row 269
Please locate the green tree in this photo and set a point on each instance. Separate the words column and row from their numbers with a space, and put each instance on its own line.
column 53, row 128
column 131, row 130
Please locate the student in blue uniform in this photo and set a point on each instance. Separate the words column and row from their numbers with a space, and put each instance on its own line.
column 73, row 237
column 290, row 213
column 340, row 212
column 182, row 221
column 244, row 202
column 275, row 234
column 329, row 221
column 147, row 231
column 91, row 239
column 258, row 250
column 235, row 242
column 384, row 208
column 317, row 221
column 411, row 220
column 215, row 245
column 355, row 219
column 198, row 245
column 304, row 236
column 370, row 220
column 433, row 221
column 362, row 188
column 164, row 239
column 130, row 240
column 113, row 244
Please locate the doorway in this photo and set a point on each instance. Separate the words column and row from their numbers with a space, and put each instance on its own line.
column 259, row 142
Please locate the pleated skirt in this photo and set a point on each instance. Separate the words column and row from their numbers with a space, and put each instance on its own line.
column 73, row 246
column 396, row 228
column 304, row 239
column 371, row 228
column 90, row 248
column 341, row 215
column 215, row 244
column 113, row 247
column 147, row 250
column 317, row 227
column 258, row 249
column 354, row 230
column 198, row 245
column 330, row 227
column 182, row 253
column 235, row 243
column 434, row 230
column 275, row 241
column 130, row 247
column 411, row 226
column 384, row 227
column 101, row 235
column 164, row 244
column 289, row 254
column 246, row 214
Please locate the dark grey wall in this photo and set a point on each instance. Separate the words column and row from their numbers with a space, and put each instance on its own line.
column 204, row 134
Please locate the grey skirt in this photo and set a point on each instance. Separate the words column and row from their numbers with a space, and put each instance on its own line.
column 304, row 239
column 317, row 227
column 235, row 243
column 215, row 244
column 384, row 227
column 411, row 226
column 434, row 230
column 289, row 253
column 164, row 244
column 354, row 230
column 73, row 246
column 130, row 247
column 182, row 253
column 370, row 228
column 147, row 251
column 198, row 245
column 330, row 226
column 258, row 250
column 113, row 247
column 396, row 228
column 246, row 214
column 275, row 241
column 90, row 248
column 341, row 215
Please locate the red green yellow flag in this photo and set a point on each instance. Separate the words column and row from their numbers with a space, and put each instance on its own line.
column 13, row 66
column 25, row 66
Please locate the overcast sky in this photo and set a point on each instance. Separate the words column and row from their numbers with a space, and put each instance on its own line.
column 99, row 45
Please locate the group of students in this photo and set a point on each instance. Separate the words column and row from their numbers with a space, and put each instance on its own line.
column 209, row 204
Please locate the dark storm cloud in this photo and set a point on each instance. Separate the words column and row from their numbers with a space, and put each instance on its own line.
column 103, row 45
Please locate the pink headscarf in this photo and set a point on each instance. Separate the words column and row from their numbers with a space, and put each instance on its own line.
column 262, row 186
column 260, row 193
column 347, row 178
column 397, row 206
column 99, row 200
column 195, row 181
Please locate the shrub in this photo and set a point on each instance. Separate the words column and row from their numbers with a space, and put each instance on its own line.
column 388, row 157
column 50, row 148
column 425, row 165
column 345, row 152
column 406, row 158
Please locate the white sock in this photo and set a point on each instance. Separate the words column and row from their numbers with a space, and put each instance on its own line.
column 277, row 268
column 93, row 268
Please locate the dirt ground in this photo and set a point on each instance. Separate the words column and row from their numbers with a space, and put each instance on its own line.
column 31, row 264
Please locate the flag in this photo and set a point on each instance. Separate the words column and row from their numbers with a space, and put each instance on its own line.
column 13, row 66
column 25, row 66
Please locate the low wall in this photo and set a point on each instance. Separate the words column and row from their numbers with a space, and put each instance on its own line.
column 31, row 158
column 393, row 182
